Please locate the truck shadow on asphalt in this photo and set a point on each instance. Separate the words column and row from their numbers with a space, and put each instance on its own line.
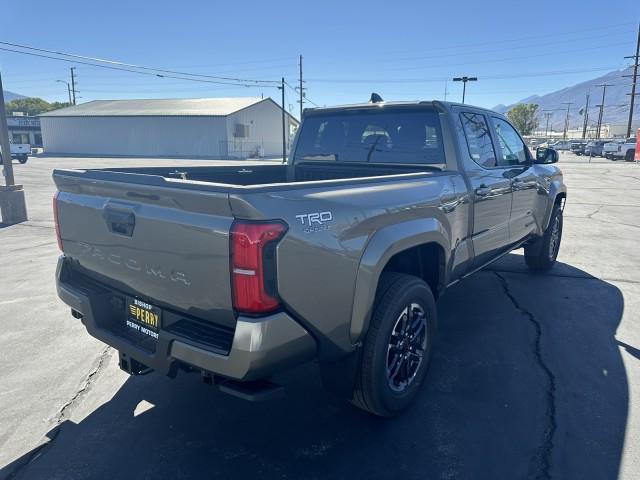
column 526, row 381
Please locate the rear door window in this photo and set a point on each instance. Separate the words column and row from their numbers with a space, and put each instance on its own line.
column 478, row 138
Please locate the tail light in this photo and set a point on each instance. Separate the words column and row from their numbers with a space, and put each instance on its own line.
column 55, row 219
column 253, row 265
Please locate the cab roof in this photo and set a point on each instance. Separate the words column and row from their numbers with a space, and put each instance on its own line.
column 442, row 105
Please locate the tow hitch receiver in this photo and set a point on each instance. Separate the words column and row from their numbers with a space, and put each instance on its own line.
column 131, row 365
column 253, row 391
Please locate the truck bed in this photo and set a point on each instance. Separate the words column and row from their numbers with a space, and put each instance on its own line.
column 246, row 175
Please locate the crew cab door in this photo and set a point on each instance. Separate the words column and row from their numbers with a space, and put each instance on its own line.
column 516, row 159
column 490, row 187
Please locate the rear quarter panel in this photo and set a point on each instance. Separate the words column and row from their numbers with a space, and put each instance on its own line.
column 318, row 263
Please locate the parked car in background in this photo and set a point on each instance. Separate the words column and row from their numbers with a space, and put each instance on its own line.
column 560, row 145
column 594, row 148
column 626, row 150
column 578, row 147
column 609, row 148
column 19, row 151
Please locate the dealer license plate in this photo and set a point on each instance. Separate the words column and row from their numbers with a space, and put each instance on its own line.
column 143, row 317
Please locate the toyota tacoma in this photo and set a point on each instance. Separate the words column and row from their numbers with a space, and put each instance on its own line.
column 338, row 256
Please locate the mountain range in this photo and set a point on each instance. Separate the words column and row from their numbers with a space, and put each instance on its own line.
column 616, row 103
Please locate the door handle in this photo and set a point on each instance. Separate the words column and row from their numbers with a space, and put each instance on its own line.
column 119, row 221
column 483, row 191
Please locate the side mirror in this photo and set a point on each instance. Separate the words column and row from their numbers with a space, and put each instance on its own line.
column 546, row 155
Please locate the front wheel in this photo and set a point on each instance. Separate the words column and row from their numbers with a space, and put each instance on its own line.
column 397, row 350
column 541, row 255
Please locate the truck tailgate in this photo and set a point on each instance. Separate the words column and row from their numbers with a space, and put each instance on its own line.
column 161, row 240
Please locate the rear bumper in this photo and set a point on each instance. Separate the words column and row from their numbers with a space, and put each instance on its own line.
column 260, row 346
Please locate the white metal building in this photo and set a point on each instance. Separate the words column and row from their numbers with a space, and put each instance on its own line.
column 192, row 127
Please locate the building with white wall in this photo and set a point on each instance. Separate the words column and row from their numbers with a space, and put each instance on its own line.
column 245, row 127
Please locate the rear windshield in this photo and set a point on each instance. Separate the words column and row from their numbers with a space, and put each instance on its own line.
column 374, row 136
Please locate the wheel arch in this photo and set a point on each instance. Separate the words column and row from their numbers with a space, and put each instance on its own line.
column 557, row 196
column 418, row 247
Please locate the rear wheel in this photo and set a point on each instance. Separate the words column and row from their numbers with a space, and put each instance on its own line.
column 541, row 255
column 22, row 160
column 397, row 350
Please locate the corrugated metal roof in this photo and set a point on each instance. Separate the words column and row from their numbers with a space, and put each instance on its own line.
column 157, row 107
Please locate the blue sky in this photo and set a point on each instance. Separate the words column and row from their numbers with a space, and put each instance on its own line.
column 402, row 50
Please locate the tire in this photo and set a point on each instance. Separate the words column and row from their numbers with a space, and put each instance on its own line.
column 23, row 160
column 541, row 255
column 377, row 389
column 630, row 155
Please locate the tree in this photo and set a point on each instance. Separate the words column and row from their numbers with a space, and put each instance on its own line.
column 524, row 117
column 32, row 106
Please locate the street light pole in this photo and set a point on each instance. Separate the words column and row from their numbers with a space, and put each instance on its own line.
column 586, row 118
column 68, row 89
column 464, row 81
column 547, row 115
column 604, row 91
column 284, row 136
column 566, row 119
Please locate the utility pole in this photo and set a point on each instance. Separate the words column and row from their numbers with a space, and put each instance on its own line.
column 284, row 135
column 73, row 84
column 445, row 91
column 604, row 91
column 464, row 81
column 13, row 208
column 586, row 118
column 566, row 119
column 547, row 115
column 301, row 90
column 633, row 82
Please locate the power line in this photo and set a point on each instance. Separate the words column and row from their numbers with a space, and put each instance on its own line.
column 508, row 59
column 295, row 90
column 442, row 79
column 158, row 75
column 512, row 47
column 529, row 37
column 140, row 67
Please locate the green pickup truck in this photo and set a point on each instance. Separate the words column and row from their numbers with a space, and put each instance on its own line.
column 338, row 256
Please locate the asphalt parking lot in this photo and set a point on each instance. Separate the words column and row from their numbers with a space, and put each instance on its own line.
column 533, row 376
